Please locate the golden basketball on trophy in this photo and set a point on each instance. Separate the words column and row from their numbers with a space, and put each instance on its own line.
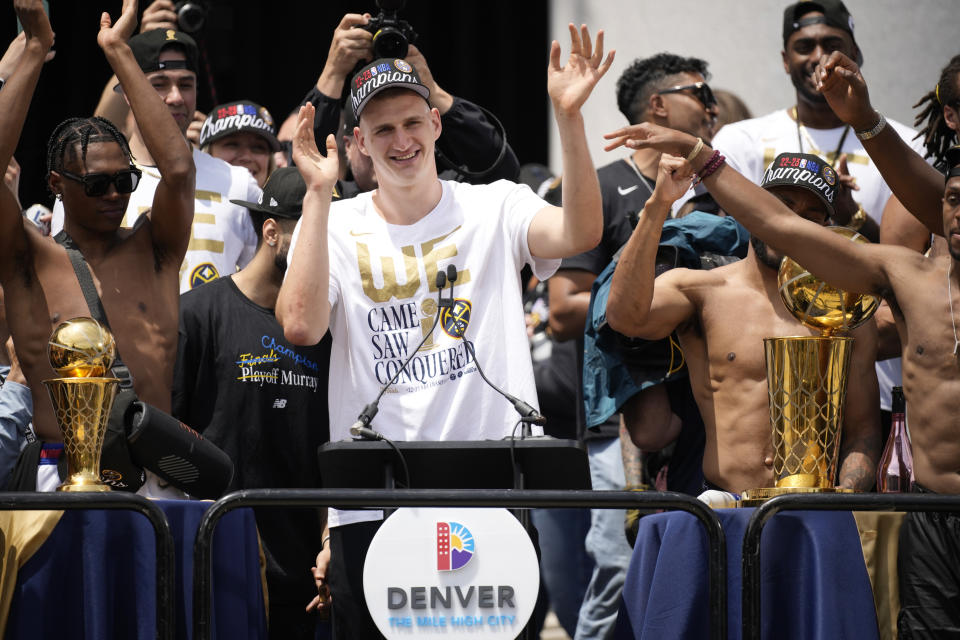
column 807, row 380
column 82, row 351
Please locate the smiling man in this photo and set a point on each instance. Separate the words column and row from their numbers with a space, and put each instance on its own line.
column 810, row 30
column 243, row 134
column 372, row 278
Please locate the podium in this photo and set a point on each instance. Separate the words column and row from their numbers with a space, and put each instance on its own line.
column 538, row 462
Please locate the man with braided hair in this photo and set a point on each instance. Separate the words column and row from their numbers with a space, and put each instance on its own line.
column 90, row 170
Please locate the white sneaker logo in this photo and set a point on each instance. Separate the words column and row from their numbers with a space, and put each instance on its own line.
column 624, row 192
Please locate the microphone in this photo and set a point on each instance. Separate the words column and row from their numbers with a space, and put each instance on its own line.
column 361, row 428
column 451, row 276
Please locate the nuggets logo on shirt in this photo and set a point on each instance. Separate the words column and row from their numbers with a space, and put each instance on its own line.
column 203, row 273
column 456, row 319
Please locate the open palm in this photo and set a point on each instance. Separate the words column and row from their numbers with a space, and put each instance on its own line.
column 570, row 86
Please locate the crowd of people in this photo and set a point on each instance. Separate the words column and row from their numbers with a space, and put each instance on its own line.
column 264, row 281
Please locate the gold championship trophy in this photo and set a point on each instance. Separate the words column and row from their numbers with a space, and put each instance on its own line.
column 82, row 351
column 807, row 381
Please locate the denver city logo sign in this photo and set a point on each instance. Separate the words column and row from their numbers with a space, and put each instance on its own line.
column 451, row 572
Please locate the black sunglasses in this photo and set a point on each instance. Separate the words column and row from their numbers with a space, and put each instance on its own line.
column 701, row 91
column 97, row 184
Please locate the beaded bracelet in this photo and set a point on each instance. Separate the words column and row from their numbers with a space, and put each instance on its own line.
column 712, row 165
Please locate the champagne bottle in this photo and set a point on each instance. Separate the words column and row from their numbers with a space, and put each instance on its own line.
column 895, row 470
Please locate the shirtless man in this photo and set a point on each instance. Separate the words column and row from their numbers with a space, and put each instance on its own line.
column 135, row 270
column 921, row 293
column 721, row 317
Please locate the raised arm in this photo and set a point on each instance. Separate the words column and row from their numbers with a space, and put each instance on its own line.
column 303, row 306
column 14, row 101
column 846, row 265
column 578, row 226
column 914, row 182
column 638, row 307
column 173, row 200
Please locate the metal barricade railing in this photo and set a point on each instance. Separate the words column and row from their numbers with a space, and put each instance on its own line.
column 817, row 502
column 504, row 498
column 10, row 501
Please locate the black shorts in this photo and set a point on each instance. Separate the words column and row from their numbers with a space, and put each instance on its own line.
column 929, row 572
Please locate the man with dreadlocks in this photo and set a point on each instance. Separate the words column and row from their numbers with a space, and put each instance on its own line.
column 89, row 168
column 940, row 111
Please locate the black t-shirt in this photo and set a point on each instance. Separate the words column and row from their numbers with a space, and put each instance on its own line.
column 624, row 193
column 264, row 402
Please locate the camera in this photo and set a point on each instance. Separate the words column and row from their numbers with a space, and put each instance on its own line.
column 190, row 15
column 391, row 35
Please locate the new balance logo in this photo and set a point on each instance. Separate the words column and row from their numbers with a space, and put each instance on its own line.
column 280, row 403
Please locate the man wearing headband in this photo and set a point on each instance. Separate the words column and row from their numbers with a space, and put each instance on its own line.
column 810, row 30
column 222, row 238
column 721, row 317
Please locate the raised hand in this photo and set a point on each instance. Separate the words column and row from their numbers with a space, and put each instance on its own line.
column 674, row 176
column 570, row 86
column 318, row 172
column 161, row 14
column 844, row 205
column 651, row 136
column 348, row 46
column 839, row 80
column 113, row 34
column 36, row 24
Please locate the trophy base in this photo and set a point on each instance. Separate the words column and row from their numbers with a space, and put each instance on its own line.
column 78, row 482
column 756, row 497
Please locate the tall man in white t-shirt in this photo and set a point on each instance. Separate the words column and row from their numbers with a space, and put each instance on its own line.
column 368, row 272
column 222, row 238
column 811, row 29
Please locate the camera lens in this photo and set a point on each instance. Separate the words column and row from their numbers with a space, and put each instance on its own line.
column 389, row 42
column 190, row 16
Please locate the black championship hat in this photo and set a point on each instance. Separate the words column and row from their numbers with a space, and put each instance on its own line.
column 147, row 46
column 282, row 196
column 805, row 171
column 834, row 12
column 237, row 117
column 384, row 74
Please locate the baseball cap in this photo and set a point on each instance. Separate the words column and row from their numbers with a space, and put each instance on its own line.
column 237, row 117
column 381, row 75
column 805, row 171
column 834, row 12
column 282, row 196
column 147, row 46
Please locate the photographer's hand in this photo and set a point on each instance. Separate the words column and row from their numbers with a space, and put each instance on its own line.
column 348, row 46
column 439, row 98
column 161, row 14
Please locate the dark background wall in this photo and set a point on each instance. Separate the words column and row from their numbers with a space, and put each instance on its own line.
column 272, row 53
